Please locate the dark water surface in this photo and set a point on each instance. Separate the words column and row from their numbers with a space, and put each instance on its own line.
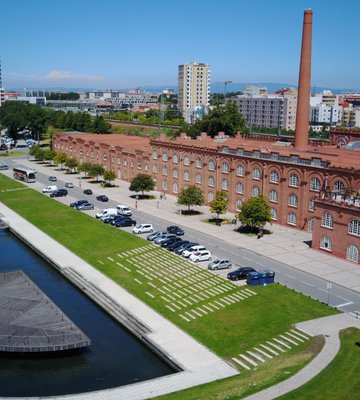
column 114, row 358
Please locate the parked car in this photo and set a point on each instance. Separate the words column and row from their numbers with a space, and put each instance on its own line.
column 69, row 185
column 187, row 253
column 116, row 219
column 176, row 245
column 219, row 263
column 49, row 189
column 201, row 255
column 108, row 218
column 88, row 191
column 102, row 198
column 176, row 230
column 163, row 237
column 184, row 247
column 52, row 178
column 126, row 221
column 240, row 273
column 123, row 210
column 85, row 206
column 77, row 203
column 165, row 243
column 155, row 235
column 3, row 167
column 106, row 211
column 59, row 193
column 143, row 228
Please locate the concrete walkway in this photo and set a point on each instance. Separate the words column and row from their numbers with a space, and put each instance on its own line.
column 330, row 328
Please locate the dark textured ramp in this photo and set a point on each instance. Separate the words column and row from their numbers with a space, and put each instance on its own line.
column 30, row 321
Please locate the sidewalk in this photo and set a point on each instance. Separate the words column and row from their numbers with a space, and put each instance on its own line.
column 283, row 245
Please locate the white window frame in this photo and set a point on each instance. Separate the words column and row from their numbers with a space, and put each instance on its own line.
column 212, row 165
column 175, row 187
column 186, row 176
column 175, row 158
column 327, row 220
column 315, row 184
column 186, row 160
column 294, row 180
column 239, row 187
column 354, row 227
column 175, row 173
column 198, row 178
column 273, row 196
column 211, row 181
column 325, row 243
column 238, row 204
column 165, row 156
column 255, row 192
column 225, row 168
column 198, row 162
column 274, row 213
column 225, row 184
column 256, row 174
column 274, row 176
column 240, row 170
column 292, row 219
column 352, row 253
column 293, row 200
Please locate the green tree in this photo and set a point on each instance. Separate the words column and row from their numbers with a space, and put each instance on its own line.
column 220, row 203
column 49, row 155
column 191, row 196
column 13, row 117
column 255, row 212
column 221, row 118
column 71, row 163
column 96, row 170
column 142, row 183
column 33, row 150
column 100, row 125
column 60, row 158
column 109, row 176
column 37, row 120
column 85, row 168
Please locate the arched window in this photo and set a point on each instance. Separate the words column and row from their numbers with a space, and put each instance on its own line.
column 225, row 184
column 273, row 196
column 164, row 170
column 273, row 212
column 198, row 162
column 186, row 160
column 186, row 176
column 292, row 220
column 198, row 178
column 354, row 227
column 155, row 184
column 164, row 185
column 312, row 205
column 211, row 165
column 293, row 200
column 146, row 167
column 352, row 253
column 294, row 180
column 238, row 204
column 240, row 171
column 139, row 164
column 175, row 173
column 327, row 220
column 225, row 167
column 339, row 186
column 311, row 224
column 175, row 158
column 274, row 177
column 239, row 187
column 155, row 169
column 256, row 174
column 315, row 184
column 211, row 181
column 255, row 191
column 154, row 155
column 165, row 156
column 175, row 187
column 325, row 243
column 210, row 196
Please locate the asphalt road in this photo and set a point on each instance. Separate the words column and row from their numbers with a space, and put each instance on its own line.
column 337, row 296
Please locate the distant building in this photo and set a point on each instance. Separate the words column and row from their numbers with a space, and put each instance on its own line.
column 193, row 90
column 326, row 114
column 2, row 90
column 254, row 90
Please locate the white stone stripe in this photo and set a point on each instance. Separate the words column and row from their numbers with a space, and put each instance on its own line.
column 201, row 310
column 111, row 259
column 289, row 340
column 256, row 356
column 197, row 313
column 165, row 299
column 241, row 363
column 127, row 269
column 151, row 284
column 269, row 349
column 249, row 360
column 295, row 337
column 248, row 290
column 137, row 281
column 263, row 352
column 190, row 315
column 276, row 346
column 208, row 308
column 237, row 296
column 188, row 301
column 171, row 309
column 183, row 317
column 282, row 343
column 150, row 294
column 176, row 306
column 220, row 304
column 100, row 262
column 298, row 333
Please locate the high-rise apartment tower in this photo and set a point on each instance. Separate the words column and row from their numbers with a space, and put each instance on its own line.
column 193, row 90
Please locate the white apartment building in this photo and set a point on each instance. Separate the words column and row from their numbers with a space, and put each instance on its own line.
column 254, row 90
column 2, row 95
column 193, row 90
column 326, row 114
column 268, row 111
column 351, row 117
column 118, row 97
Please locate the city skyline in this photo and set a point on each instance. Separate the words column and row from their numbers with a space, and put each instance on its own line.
column 124, row 45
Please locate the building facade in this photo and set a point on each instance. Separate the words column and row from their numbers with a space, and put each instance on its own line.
column 193, row 90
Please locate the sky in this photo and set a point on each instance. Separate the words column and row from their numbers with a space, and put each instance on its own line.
column 133, row 43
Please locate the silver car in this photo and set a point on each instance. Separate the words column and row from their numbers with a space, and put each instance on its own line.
column 219, row 264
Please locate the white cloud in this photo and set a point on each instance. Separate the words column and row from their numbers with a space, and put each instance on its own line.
column 67, row 75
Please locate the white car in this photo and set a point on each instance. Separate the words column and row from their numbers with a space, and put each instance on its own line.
column 202, row 255
column 187, row 253
column 143, row 228
column 69, row 185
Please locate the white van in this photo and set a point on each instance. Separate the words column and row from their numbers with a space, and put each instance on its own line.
column 105, row 212
column 187, row 253
column 49, row 189
column 123, row 210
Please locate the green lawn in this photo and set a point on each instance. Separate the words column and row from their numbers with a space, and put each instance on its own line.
column 225, row 317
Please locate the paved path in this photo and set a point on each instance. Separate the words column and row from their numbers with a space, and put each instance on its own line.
column 330, row 327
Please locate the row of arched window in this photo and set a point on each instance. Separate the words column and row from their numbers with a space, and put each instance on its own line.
column 327, row 221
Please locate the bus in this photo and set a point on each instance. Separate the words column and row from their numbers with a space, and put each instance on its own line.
column 24, row 174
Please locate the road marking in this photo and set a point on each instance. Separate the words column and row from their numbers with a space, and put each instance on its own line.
column 290, row 276
column 343, row 298
column 344, row 304
column 306, row 283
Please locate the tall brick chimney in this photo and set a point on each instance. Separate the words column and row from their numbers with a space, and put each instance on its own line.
column 303, row 100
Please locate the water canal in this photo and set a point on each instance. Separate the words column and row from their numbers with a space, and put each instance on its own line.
column 114, row 358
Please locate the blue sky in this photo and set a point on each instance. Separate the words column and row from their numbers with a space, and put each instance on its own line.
column 119, row 44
